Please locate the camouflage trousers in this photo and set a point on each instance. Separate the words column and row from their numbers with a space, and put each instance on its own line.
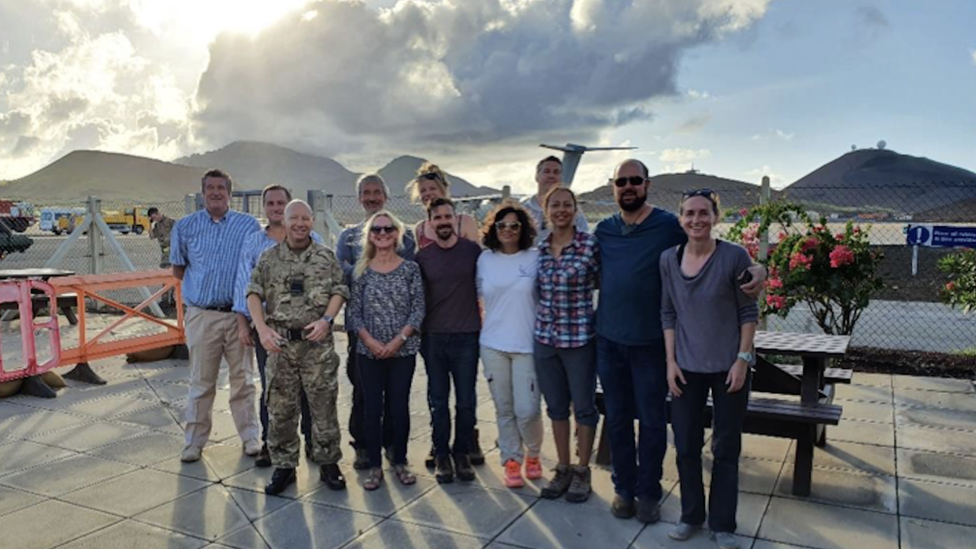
column 164, row 257
column 315, row 368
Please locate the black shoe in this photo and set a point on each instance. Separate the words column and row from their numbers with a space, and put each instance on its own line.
column 264, row 458
column 279, row 481
column 331, row 475
column 431, row 461
column 623, row 508
column 362, row 460
column 462, row 463
column 648, row 511
column 444, row 470
column 475, row 453
column 308, row 450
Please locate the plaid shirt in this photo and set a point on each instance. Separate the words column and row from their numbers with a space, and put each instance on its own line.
column 564, row 316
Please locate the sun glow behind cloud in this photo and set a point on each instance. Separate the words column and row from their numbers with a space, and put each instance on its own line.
column 201, row 20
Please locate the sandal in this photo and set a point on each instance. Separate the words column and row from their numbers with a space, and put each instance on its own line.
column 373, row 479
column 406, row 477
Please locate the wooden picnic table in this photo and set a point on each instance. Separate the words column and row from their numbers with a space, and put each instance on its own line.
column 65, row 302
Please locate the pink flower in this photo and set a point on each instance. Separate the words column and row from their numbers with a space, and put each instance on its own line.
column 839, row 236
column 776, row 301
column 840, row 256
column 774, row 283
column 950, row 286
column 857, row 230
column 743, row 212
column 809, row 244
column 798, row 259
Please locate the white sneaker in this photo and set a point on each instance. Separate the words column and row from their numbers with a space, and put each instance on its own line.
column 682, row 531
column 191, row 454
column 726, row 540
column 252, row 447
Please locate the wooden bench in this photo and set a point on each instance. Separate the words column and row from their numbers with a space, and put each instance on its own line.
column 65, row 302
column 831, row 375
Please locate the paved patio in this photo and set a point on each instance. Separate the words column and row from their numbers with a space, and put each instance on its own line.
column 99, row 467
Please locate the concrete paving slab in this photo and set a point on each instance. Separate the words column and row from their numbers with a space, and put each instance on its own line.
column 472, row 511
column 875, row 380
column 89, row 437
column 210, row 513
column 80, row 392
column 655, row 536
column 72, row 522
column 256, row 504
column 110, row 406
column 134, row 493
column 384, row 501
column 765, row 544
column 23, row 426
column 392, row 534
column 256, row 479
column 926, row 534
column 866, row 393
column 10, row 409
column 568, row 526
column 947, row 468
column 870, row 492
column 757, row 476
column 852, row 456
column 867, row 411
column 760, row 447
column 160, row 418
column 943, row 384
column 936, row 418
column 933, row 399
column 143, row 450
column 128, row 534
column 307, row 525
column 66, row 475
column 245, row 538
column 14, row 500
column 15, row 456
column 864, row 432
column 749, row 515
column 936, row 440
column 822, row 526
column 167, row 391
column 942, row 502
column 223, row 428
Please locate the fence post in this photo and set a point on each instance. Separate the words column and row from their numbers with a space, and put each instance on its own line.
column 506, row 192
column 94, row 235
column 189, row 204
column 764, row 195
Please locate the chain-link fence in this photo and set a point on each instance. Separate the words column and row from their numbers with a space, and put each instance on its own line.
column 905, row 314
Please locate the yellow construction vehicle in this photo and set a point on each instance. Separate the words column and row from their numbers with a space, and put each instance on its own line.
column 134, row 220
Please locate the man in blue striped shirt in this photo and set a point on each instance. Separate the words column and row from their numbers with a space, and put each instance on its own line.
column 204, row 253
column 274, row 199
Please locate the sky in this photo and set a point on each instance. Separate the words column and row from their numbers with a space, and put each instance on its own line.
column 734, row 88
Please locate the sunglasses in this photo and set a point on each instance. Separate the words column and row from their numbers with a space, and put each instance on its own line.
column 634, row 180
column 377, row 230
column 707, row 193
column 432, row 176
column 513, row 226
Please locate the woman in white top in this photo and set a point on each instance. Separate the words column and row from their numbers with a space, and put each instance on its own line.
column 506, row 284
column 431, row 182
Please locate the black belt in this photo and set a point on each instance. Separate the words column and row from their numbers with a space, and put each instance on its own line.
column 294, row 334
column 220, row 308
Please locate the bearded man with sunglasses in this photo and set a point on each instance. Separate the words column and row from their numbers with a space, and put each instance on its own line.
column 631, row 361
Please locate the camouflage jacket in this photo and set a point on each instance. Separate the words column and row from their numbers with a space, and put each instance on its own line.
column 161, row 230
column 296, row 286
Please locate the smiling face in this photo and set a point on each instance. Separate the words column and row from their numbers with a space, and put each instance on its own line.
column 383, row 233
column 698, row 217
column 548, row 176
column 372, row 197
column 443, row 220
column 509, row 230
column 216, row 193
column 298, row 223
column 630, row 186
column 430, row 189
column 561, row 209
column 274, row 206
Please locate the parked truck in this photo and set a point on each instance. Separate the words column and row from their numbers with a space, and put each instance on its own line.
column 16, row 216
column 135, row 220
column 61, row 220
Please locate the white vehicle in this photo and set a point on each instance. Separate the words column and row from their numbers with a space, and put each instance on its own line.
column 61, row 220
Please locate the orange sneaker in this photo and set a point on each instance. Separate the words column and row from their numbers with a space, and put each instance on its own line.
column 513, row 474
column 533, row 469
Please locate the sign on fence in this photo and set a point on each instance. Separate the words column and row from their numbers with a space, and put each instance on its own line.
column 939, row 236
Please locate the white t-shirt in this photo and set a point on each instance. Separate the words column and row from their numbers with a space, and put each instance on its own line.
column 506, row 284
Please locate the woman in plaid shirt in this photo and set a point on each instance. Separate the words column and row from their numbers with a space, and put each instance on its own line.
column 565, row 361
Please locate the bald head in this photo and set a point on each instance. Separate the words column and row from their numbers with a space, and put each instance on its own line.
column 298, row 205
column 298, row 223
column 629, row 166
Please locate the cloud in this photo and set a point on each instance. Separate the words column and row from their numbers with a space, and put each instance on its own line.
column 974, row 57
column 453, row 75
column 757, row 174
column 681, row 160
column 776, row 133
column 694, row 124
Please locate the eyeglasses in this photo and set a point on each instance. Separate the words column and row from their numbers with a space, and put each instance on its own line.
column 513, row 226
column 634, row 180
column 387, row 229
column 707, row 193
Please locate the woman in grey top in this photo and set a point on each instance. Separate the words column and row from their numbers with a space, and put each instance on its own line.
column 386, row 309
column 709, row 325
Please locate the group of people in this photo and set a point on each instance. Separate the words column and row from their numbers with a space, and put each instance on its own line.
column 677, row 314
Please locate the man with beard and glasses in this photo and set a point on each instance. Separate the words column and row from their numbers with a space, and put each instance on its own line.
column 373, row 195
column 274, row 198
column 548, row 175
column 631, row 361
column 450, row 339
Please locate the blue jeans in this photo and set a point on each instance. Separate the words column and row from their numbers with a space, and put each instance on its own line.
column 262, row 357
column 635, row 385
column 451, row 357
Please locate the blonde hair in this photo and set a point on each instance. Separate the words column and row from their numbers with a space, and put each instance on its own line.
column 423, row 174
column 369, row 250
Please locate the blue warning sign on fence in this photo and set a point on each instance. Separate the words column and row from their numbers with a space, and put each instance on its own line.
column 940, row 236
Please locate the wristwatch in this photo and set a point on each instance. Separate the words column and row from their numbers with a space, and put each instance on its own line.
column 328, row 319
column 746, row 357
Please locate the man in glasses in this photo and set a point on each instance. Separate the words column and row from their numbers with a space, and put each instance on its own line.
column 294, row 294
column 631, row 361
column 450, row 343
column 548, row 174
column 373, row 194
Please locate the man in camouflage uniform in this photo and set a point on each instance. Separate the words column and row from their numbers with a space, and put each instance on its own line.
column 161, row 229
column 296, row 290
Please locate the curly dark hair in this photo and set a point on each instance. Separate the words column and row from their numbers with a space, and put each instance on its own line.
column 489, row 234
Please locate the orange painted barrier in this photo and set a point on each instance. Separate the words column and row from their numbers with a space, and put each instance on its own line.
column 22, row 293
column 91, row 287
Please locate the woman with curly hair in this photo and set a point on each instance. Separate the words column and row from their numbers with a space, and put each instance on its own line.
column 506, row 284
column 431, row 182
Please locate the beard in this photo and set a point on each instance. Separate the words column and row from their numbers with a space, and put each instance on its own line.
column 444, row 232
column 634, row 204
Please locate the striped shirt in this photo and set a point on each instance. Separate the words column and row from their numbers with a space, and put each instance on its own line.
column 255, row 244
column 209, row 250
column 564, row 316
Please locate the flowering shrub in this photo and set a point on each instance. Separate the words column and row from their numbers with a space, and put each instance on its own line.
column 833, row 274
column 960, row 291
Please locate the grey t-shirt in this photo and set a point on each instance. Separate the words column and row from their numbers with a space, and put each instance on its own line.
column 706, row 310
